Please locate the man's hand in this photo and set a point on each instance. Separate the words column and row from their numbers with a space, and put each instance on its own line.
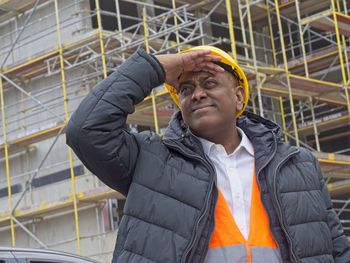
column 175, row 64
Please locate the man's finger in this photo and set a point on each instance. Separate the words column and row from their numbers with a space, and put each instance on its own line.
column 211, row 58
column 199, row 53
column 207, row 59
column 205, row 66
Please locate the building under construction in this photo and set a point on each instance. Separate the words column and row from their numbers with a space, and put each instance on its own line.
column 52, row 53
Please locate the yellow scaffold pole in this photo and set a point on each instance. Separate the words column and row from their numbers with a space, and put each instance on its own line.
column 7, row 163
column 341, row 56
column 285, row 62
column 154, row 106
column 100, row 34
column 344, row 45
column 231, row 29
column 301, row 35
column 65, row 102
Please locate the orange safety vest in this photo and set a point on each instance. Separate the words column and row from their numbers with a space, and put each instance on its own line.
column 227, row 244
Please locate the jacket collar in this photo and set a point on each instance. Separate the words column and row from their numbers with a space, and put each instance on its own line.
column 264, row 135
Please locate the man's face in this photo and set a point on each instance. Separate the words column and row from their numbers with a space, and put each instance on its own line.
column 209, row 102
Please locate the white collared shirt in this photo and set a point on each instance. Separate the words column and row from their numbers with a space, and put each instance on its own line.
column 234, row 177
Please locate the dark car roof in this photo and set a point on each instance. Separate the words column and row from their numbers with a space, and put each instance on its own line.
column 32, row 251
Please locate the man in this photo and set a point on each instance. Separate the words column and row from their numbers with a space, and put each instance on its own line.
column 215, row 188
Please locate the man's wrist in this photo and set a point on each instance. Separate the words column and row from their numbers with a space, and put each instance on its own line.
column 159, row 63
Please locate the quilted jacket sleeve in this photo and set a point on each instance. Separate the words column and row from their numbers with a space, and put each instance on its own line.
column 341, row 245
column 95, row 131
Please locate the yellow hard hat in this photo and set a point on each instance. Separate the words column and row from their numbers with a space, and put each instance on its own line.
column 225, row 59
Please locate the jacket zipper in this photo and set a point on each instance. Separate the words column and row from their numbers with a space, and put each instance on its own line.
column 275, row 191
column 279, row 165
column 191, row 243
column 270, row 158
column 257, row 176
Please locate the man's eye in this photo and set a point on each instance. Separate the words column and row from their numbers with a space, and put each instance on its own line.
column 185, row 89
column 210, row 83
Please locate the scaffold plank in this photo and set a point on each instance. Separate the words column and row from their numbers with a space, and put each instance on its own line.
column 334, row 121
column 288, row 7
column 302, row 87
column 324, row 21
column 37, row 136
column 275, row 90
column 316, row 61
column 313, row 85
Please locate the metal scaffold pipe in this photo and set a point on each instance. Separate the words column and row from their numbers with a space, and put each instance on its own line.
column 340, row 51
column 301, row 35
column 318, row 148
column 100, row 34
column 271, row 35
column 283, row 119
column 65, row 102
column 153, row 97
column 231, row 29
column 7, row 162
column 244, row 38
column 176, row 26
column 285, row 62
column 259, row 82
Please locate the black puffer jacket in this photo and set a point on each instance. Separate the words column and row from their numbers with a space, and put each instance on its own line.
column 170, row 183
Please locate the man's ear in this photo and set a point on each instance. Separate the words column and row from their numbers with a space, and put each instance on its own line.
column 240, row 96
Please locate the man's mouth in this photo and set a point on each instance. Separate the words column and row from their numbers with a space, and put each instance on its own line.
column 200, row 107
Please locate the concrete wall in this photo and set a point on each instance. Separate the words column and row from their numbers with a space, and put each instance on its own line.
column 40, row 34
column 25, row 116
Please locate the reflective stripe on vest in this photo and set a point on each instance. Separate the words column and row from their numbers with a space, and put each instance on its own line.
column 227, row 244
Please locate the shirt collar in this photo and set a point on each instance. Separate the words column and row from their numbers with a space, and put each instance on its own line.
column 245, row 143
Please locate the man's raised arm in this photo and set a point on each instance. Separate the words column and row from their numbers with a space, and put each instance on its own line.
column 95, row 131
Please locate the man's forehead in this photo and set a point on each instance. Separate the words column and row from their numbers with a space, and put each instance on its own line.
column 192, row 75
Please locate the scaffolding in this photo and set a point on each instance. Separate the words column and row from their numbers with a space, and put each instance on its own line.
column 290, row 50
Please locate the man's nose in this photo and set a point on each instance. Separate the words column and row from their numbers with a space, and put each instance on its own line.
column 198, row 93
